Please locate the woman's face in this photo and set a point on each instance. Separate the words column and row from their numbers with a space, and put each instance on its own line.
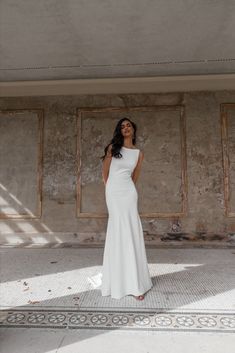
column 127, row 128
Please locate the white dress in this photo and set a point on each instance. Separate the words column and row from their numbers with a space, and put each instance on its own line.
column 125, row 268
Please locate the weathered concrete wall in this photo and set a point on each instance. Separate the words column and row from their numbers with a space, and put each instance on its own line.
column 204, row 216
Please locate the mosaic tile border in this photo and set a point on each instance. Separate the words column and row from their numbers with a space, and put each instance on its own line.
column 133, row 320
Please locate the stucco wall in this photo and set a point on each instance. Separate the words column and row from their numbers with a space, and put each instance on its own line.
column 182, row 182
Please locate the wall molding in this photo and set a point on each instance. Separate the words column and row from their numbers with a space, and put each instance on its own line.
column 224, row 109
column 126, row 85
column 183, row 154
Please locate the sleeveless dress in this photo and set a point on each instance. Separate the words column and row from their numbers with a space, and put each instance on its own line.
column 125, row 268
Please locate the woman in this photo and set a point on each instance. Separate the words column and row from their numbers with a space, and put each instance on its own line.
column 125, row 267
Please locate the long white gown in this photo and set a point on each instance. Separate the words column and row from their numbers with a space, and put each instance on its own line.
column 125, row 268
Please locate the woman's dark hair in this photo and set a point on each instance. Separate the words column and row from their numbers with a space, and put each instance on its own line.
column 118, row 139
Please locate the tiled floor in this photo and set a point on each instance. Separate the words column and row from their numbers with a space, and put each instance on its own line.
column 194, row 290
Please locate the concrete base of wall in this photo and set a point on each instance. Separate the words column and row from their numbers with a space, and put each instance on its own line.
column 73, row 240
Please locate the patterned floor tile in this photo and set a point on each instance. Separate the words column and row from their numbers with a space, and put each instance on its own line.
column 176, row 321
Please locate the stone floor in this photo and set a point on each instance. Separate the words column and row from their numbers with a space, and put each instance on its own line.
column 56, row 293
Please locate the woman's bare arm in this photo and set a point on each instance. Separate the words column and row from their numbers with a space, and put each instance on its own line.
column 136, row 172
column 106, row 164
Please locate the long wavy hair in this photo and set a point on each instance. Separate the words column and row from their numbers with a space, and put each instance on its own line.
column 118, row 139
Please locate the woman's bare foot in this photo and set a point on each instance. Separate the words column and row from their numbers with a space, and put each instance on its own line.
column 139, row 297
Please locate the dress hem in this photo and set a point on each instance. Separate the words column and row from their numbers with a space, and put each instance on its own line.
column 124, row 295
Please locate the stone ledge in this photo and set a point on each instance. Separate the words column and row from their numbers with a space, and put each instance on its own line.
column 74, row 240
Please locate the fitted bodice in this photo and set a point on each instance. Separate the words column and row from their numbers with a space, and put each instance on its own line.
column 122, row 168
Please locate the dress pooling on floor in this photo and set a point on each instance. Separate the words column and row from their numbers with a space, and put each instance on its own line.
column 125, row 268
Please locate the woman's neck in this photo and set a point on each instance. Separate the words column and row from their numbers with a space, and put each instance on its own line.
column 128, row 144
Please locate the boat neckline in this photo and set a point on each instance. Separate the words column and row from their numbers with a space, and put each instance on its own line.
column 130, row 148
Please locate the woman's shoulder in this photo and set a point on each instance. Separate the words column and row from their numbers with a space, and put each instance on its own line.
column 109, row 149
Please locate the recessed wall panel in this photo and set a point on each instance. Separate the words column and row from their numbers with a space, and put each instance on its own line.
column 161, row 137
column 20, row 164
